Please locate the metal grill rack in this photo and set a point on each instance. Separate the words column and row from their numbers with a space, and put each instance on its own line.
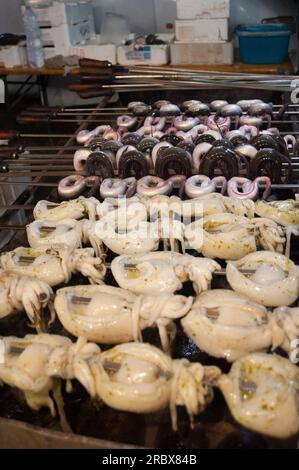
column 29, row 160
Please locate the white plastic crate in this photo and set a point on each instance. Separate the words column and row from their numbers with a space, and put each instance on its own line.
column 191, row 9
column 211, row 30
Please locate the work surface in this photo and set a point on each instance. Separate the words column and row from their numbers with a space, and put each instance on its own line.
column 237, row 67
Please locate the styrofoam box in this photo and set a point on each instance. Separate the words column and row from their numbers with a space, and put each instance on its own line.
column 191, row 9
column 196, row 53
column 156, row 54
column 11, row 56
column 58, row 13
column 94, row 50
column 212, row 30
column 51, row 51
column 150, row 54
column 55, row 35
column 66, row 34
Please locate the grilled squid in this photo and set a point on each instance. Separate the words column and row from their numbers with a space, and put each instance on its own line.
column 110, row 315
column 50, row 234
column 228, row 236
column 226, row 324
column 36, row 363
column 146, row 380
column 261, row 391
column 159, row 272
column 19, row 293
column 229, row 325
column 272, row 281
column 140, row 238
column 54, row 266
column 74, row 209
column 283, row 212
column 286, row 334
column 213, row 203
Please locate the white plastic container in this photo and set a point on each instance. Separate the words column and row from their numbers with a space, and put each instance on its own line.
column 191, row 9
column 196, row 53
column 212, row 30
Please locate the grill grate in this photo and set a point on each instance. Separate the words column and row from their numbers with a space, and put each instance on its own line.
column 215, row 428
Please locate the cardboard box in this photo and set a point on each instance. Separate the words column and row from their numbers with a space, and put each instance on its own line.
column 213, row 30
column 191, row 9
column 196, row 53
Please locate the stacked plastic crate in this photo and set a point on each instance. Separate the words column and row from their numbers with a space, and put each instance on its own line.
column 202, row 33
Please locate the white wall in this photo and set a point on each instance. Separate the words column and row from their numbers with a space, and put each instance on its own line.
column 10, row 16
column 152, row 15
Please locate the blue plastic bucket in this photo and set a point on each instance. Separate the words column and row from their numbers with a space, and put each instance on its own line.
column 264, row 43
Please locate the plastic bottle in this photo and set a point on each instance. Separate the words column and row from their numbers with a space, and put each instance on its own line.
column 35, row 50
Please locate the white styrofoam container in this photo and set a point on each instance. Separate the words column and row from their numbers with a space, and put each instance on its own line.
column 211, row 30
column 59, row 12
column 156, row 54
column 150, row 54
column 11, row 56
column 55, row 35
column 51, row 51
column 66, row 34
column 94, row 50
column 191, row 9
column 196, row 53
